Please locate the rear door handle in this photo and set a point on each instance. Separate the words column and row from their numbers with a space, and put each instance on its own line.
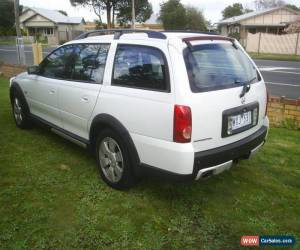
column 52, row 91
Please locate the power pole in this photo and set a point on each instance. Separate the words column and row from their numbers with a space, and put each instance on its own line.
column 133, row 15
column 17, row 19
column 19, row 39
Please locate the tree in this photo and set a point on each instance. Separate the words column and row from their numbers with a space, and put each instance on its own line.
column 63, row 12
column 98, row 6
column 17, row 18
column 143, row 11
column 292, row 6
column 267, row 4
column 7, row 17
column 172, row 15
column 233, row 10
column 195, row 19
column 293, row 27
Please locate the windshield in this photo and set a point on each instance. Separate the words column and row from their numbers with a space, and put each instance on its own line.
column 218, row 66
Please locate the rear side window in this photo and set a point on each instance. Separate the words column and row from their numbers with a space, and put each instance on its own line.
column 79, row 62
column 89, row 62
column 140, row 67
column 218, row 66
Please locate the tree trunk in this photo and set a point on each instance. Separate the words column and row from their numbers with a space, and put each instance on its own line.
column 17, row 18
column 113, row 17
column 108, row 15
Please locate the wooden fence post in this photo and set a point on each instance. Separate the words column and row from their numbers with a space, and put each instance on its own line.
column 297, row 44
column 259, row 42
column 37, row 53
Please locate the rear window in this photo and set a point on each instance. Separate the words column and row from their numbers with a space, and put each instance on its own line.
column 140, row 66
column 218, row 66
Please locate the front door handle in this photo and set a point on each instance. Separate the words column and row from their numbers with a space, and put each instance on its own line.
column 52, row 91
column 84, row 99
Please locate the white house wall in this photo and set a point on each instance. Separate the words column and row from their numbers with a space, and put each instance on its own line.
column 38, row 21
column 277, row 17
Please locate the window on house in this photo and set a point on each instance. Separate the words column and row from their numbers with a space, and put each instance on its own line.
column 49, row 31
column 140, row 67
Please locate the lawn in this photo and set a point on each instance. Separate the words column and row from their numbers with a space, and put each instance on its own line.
column 52, row 197
column 276, row 57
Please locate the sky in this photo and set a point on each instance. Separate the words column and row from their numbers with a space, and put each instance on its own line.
column 211, row 8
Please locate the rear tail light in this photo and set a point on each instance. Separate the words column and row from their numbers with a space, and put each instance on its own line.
column 182, row 132
column 267, row 101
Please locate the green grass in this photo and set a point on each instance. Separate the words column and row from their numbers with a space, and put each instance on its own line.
column 51, row 197
column 276, row 57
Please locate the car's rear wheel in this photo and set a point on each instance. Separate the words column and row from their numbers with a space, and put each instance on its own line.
column 114, row 160
column 20, row 112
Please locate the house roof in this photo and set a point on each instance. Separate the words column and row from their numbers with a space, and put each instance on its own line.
column 56, row 17
column 237, row 19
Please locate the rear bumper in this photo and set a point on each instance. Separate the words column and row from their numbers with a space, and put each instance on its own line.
column 216, row 160
column 202, row 164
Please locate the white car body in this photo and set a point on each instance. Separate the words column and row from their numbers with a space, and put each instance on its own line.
column 147, row 115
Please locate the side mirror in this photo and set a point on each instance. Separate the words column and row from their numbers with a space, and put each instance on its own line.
column 33, row 70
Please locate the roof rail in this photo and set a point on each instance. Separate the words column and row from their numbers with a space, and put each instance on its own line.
column 119, row 32
column 192, row 31
column 188, row 40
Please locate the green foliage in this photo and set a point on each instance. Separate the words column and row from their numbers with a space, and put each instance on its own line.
column 291, row 124
column 235, row 9
column 174, row 15
column 292, row 6
column 276, row 57
column 143, row 11
column 7, row 17
column 61, row 42
column 117, row 8
column 235, row 35
column 195, row 19
column 100, row 25
column 51, row 197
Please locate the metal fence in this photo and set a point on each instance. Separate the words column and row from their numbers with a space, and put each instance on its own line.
column 288, row 44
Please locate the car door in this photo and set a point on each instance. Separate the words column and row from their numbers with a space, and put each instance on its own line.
column 44, row 89
column 78, row 96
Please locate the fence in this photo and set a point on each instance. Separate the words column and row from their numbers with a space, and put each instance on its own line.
column 275, row 44
column 68, row 35
column 26, row 39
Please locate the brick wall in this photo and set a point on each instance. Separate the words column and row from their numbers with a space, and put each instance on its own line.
column 9, row 70
column 284, row 112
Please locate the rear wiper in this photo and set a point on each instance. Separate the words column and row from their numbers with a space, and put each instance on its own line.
column 246, row 86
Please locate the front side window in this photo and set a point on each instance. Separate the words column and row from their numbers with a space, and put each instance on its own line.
column 79, row 62
column 57, row 64
column 218, row 66
column 140, row 67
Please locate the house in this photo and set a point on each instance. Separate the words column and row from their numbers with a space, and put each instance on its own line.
column 51, row 24
column 273, row 21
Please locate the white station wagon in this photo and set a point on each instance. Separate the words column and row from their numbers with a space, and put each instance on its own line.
column 186, row 104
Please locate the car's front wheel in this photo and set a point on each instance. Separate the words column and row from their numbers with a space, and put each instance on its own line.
column 114, row 160
column 20, row 112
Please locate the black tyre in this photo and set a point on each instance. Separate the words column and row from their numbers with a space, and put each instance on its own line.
column 20, row 111
column 114, row 160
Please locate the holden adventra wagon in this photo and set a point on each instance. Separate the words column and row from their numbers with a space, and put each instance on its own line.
column 185, row 104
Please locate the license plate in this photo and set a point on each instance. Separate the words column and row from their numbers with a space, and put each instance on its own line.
column 240, row 120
